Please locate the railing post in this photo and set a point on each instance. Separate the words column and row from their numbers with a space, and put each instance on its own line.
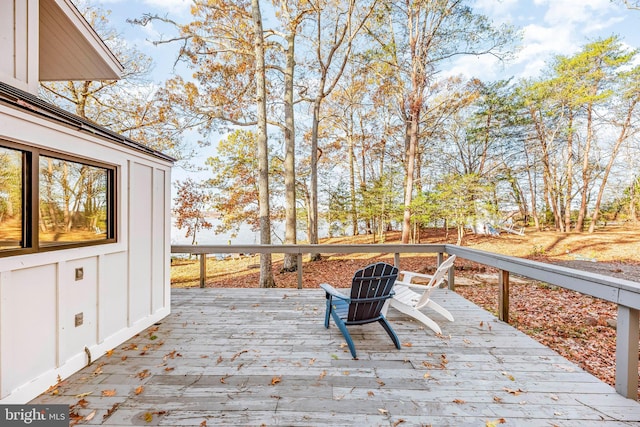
column 396, row 260
column 299, row 268
column 203, row 269
column 503, row 299
column 440, row 259
column 451, row 280
column 627, row 352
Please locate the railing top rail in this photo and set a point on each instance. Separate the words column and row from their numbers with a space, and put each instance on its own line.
column 609, row 288
column 304, row 249
column 617, row 290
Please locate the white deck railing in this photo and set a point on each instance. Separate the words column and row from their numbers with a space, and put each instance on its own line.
column 624, row 293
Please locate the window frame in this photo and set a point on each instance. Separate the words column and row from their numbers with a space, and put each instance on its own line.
column 31, row 200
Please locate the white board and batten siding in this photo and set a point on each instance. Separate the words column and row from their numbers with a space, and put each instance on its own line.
column 125, row 286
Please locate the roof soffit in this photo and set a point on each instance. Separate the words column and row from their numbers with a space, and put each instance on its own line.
column 70, row 49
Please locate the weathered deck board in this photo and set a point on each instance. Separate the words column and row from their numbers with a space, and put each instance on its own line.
column 257, row 356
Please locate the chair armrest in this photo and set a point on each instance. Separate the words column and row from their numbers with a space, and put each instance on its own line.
column 330, row 290
column 411, row 285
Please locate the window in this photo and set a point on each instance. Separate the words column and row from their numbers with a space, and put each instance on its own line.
column 51, row 201
column 11, row 198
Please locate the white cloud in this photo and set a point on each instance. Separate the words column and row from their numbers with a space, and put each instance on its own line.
column 561, row 12
column 500, row 11
column 181, row 7
column 485, row 67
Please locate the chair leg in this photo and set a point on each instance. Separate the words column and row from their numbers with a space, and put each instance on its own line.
column 345, row 333
column 440, row 309
column 418, row 315
column 387, row 327
column 328, row 312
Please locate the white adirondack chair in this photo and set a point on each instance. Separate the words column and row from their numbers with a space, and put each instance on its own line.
column 410, row 297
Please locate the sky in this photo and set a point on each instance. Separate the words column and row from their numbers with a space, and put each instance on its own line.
column 549, row 27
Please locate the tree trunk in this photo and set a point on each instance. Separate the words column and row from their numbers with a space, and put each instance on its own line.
column 290, row 237
column 532, row 191
column 408, row 190
column 586, row 179
column 568, row 197
column 633, row 200
column 313, row 193
column 266, row 272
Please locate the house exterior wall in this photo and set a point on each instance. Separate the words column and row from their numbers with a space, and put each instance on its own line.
column 19, row 44
column 125, row 285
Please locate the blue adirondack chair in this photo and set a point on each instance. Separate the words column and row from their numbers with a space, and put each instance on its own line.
column 370, row 288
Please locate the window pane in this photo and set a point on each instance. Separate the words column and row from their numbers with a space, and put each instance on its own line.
column 73, row 202
column 11, row 198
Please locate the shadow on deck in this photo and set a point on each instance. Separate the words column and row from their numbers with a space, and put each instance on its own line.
column 263, row 357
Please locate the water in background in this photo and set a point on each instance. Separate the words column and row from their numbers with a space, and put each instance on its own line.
column 245, row 236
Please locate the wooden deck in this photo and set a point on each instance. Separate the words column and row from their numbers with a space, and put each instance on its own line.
column 263, row 357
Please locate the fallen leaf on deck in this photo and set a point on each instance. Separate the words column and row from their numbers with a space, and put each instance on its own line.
column 276, row 380
column 514, row 392
column 139, row 389
column 458, row 401
column 83, row 394
column 508, row 375
column 322, row 375
column 109, row 353
column 171, row 355
column 235, row 356
column 109, row 393
column 407, row 344
column 90, row 416
column 110, row 411
column 143, row 374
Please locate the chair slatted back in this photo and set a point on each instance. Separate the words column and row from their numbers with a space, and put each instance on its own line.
column 436, row 280
column 370, row 288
